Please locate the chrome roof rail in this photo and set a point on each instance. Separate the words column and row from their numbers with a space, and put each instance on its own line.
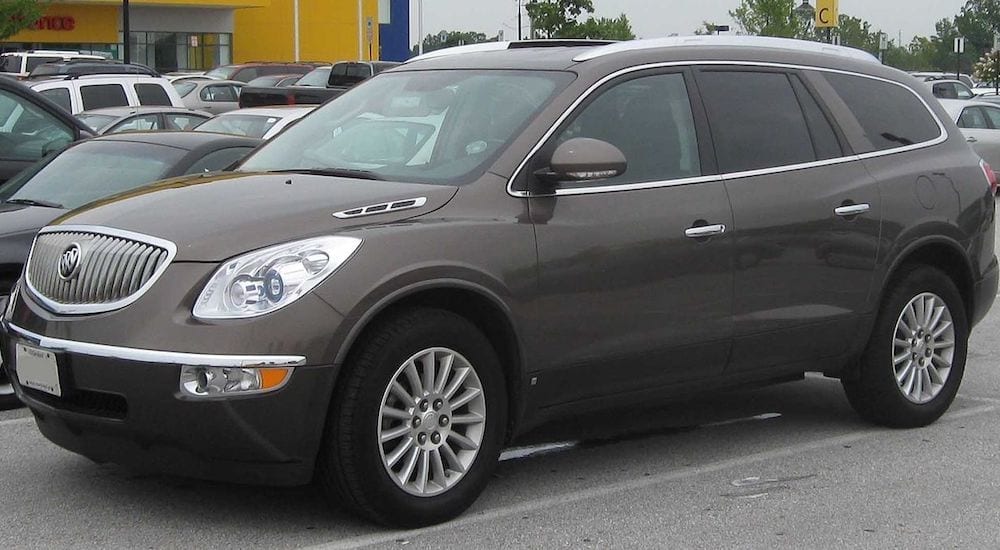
column 511, row 45
column 716, row 40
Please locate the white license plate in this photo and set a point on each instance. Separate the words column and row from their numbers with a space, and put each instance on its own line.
column 36, row 368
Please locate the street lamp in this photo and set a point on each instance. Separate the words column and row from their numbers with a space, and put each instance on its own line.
column 805, row 14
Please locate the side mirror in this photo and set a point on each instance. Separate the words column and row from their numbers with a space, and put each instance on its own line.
column 584, row 159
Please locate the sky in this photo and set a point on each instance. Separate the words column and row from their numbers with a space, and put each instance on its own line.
column 655, row 18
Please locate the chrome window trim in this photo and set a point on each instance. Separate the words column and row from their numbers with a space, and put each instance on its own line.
column 79, row 309
column 154, row 356
column 942, row 137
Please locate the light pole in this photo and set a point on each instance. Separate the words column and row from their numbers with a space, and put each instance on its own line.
column 126, row 43
column 295, row 27
column 420, row 27
column 805, row 13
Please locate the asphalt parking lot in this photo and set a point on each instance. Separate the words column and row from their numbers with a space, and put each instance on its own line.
column 785, row 466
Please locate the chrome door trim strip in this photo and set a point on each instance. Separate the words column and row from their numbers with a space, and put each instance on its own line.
column 77, row 309
column 153, row 356
column 942, row 136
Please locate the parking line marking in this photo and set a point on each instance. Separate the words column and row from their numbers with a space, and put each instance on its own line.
column 629, row 485
column 16, row 421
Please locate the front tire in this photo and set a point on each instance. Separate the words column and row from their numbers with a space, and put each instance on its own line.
column 915, row 359
column 417, row 421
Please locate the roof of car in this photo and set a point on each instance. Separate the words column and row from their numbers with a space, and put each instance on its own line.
column 273, row 110
column 127, row 110
column 955, row 106
column 182, row 140
column 569, row 54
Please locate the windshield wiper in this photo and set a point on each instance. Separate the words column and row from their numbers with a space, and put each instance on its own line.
column 34, row 202
column 338, row 172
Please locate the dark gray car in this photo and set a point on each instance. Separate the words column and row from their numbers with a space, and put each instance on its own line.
column 486, row 238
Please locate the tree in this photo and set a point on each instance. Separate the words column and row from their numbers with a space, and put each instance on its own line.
column 988, row 68
column 605, row 29
column 771, row 18
column 447, row 39
column 16, row 15
column 556, row 18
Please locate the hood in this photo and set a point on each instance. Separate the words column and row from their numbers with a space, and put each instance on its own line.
column 20, row 218
column 215, row 217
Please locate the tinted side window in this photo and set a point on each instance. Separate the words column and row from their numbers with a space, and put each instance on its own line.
column 756, row 120
column 824, row 138
column 99, row 96
column 59, row 96
column 34, row 61
column 650, row 120
column 221, row 92
column 218, row 160
column 152, row 94
column 246, row 74
column 10, row 64
column 889, row 114
column 993, row 113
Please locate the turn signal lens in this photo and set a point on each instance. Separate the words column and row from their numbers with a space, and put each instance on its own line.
column 224, row 381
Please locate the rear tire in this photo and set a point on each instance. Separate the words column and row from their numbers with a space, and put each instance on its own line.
column 417, row 421
column 913, row 365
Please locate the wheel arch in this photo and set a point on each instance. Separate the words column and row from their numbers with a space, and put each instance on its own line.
column 944, row 254
column 474, row 302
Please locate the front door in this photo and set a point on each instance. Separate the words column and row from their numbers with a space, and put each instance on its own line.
column 635, row 272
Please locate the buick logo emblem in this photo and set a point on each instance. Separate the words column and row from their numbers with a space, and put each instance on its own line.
column 69, row 262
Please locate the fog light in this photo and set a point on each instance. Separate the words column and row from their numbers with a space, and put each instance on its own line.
column 223, row 381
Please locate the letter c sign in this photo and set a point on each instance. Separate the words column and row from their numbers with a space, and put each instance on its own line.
column 827, row 13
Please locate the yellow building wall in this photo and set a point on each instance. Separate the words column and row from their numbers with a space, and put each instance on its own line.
column 97, row 24
column 328, row 31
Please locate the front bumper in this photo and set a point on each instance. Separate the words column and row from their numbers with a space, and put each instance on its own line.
column 124, row 405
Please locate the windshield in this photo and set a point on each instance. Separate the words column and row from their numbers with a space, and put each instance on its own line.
column 95, row 121
column 239, row 125
column 421, row 126
column 184, row 87
column 98, row 169
column 222, row 73
column 317, row 77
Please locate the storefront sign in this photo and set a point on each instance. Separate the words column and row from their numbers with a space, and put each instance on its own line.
column 54, row 23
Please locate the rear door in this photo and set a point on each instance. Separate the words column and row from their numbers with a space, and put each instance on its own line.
column 806, row 217
column 635, row 272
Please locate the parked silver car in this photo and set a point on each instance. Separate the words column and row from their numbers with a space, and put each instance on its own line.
column 213, row 96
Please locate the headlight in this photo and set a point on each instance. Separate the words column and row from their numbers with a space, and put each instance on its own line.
column 269, row 279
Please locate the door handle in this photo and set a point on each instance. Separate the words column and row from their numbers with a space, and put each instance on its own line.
column 703, row 231
column 971, row 139
column 852, row 209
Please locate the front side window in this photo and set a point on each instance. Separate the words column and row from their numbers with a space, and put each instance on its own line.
column 756, row 120
column 183, row 121
column 26, row 131
column 993, row 114
column 219, row 93
column 889, row 115
column 317, row 78
column 99, row 96
column 421, row 126
column 649, row 119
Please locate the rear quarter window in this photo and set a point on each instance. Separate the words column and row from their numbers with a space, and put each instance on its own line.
column 886, row 115
column 152, row 94
column 98, row 96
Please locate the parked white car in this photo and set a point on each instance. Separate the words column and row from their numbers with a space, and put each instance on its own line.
column 20, row 64
column 258, row 122
column 950, row 89
column 99, row 91
column 979, row 122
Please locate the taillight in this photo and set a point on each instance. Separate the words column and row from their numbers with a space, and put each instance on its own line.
column 991, row 176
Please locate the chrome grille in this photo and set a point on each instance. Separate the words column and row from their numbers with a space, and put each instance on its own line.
column 115, row 268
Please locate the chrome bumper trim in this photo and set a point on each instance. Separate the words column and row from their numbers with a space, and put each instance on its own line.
column 155, row 356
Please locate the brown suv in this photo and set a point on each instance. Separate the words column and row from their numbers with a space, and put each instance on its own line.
column 483, row 239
